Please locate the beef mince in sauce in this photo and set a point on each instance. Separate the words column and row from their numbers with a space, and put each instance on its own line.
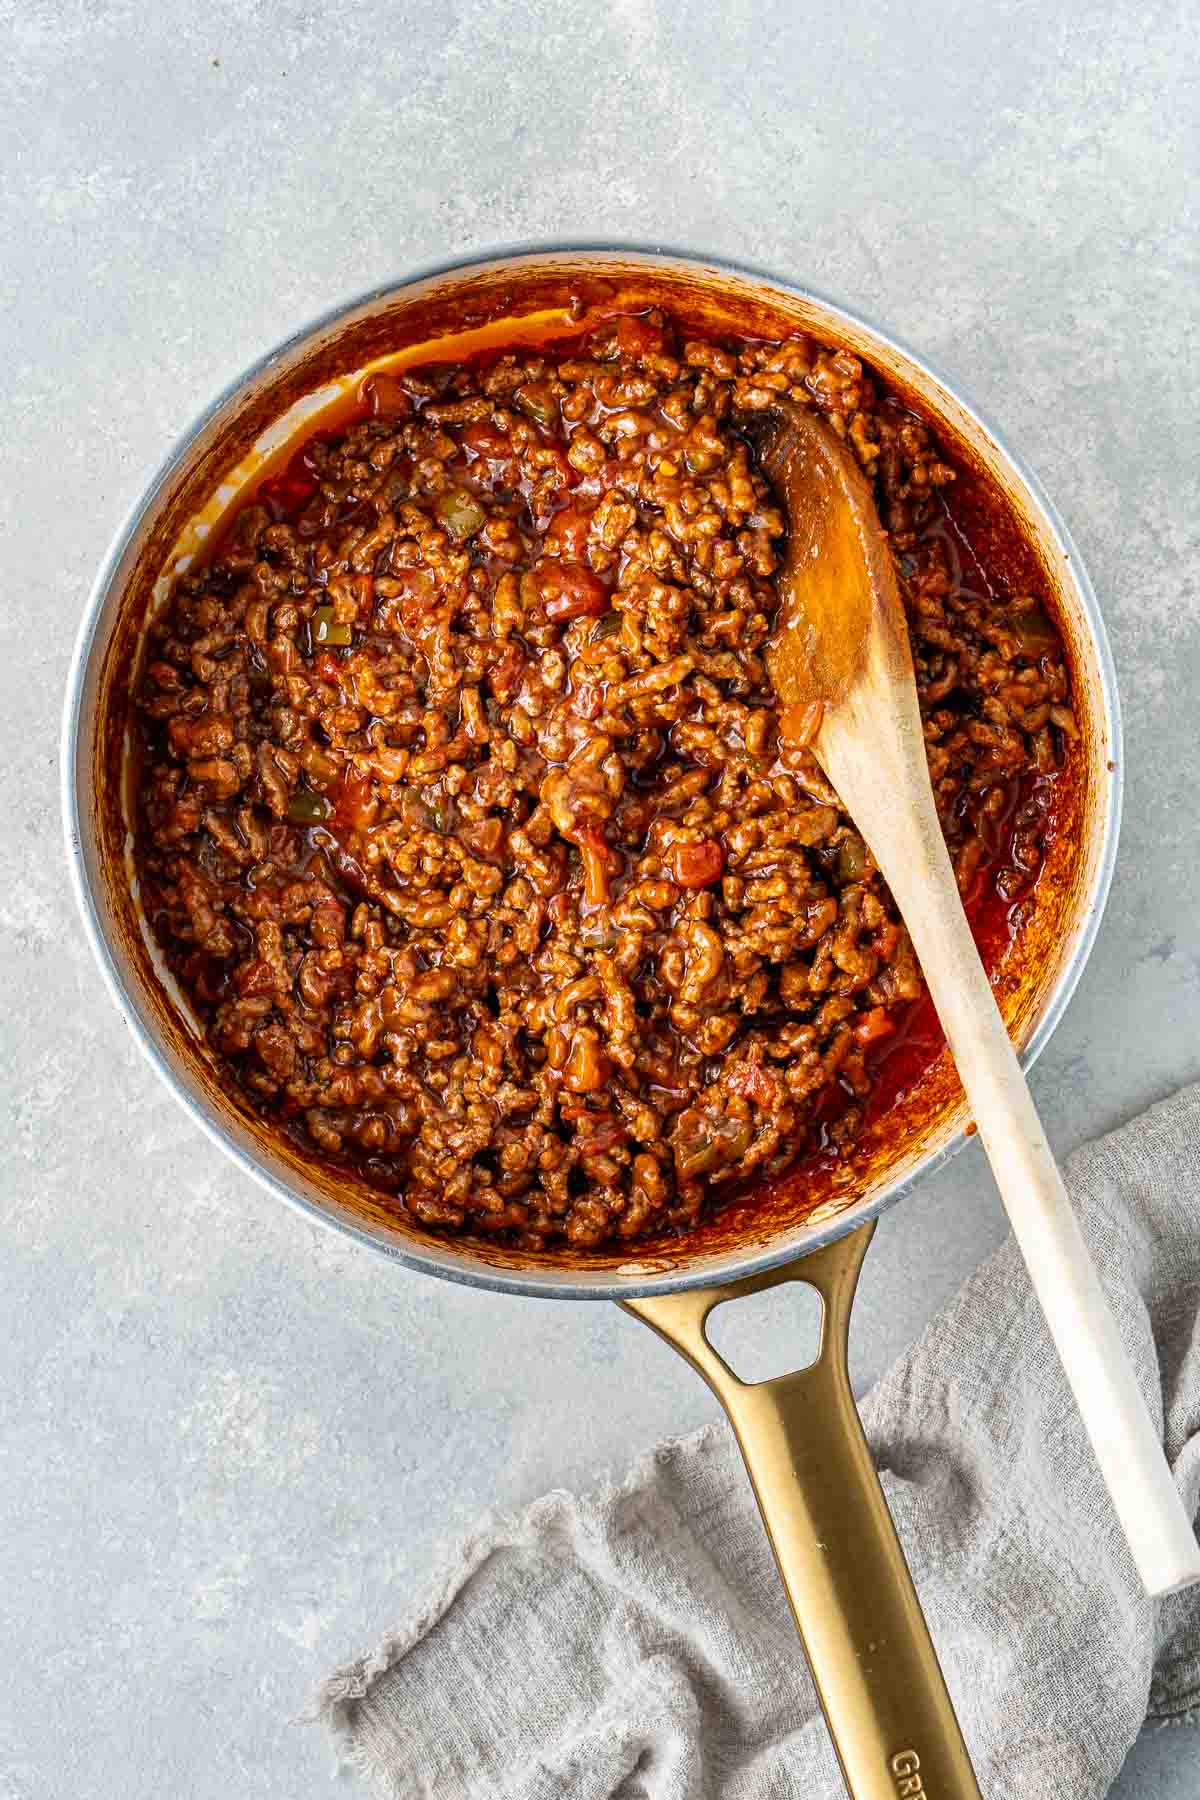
column 464, row 818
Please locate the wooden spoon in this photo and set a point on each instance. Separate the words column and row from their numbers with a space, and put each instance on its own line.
column 842, row 647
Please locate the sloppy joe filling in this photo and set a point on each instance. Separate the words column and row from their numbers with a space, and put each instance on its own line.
column 465, row 817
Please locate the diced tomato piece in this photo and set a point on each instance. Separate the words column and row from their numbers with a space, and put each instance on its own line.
column 354, row 803
column 388, row 397
column 487, row 441
column 570, row 591
column 494, row 460
column 698, row 865
column 255, row 977
column 871, row 1027
column 567, row 534
column 327, row 667
column 637, row 337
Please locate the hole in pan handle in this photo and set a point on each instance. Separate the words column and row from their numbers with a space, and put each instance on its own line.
column 874, row 1665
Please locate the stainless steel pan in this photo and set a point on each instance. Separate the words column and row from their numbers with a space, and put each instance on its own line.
column 854, row 1604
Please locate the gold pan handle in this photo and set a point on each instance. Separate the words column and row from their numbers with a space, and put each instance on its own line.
column 875, row 1668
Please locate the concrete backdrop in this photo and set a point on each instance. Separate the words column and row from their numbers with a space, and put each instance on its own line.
column 229, row 1442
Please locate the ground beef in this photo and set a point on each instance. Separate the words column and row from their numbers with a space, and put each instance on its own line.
column 463, row 816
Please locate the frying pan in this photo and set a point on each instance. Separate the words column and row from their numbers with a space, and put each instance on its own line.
column 874, row 1666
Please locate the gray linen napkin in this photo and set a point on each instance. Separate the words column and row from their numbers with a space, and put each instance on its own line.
column 636, row 1644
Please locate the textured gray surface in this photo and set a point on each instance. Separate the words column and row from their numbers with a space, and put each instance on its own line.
column 228, row 1441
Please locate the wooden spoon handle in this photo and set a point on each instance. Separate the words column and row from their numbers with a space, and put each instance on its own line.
column 1127, row 1444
